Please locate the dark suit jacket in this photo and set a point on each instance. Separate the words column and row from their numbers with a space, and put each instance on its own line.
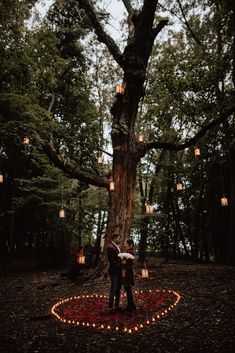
column 114, row 262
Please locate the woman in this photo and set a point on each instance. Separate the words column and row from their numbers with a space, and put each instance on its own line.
column 127, row 274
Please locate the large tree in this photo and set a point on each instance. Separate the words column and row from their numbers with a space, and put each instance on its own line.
column 143, row 28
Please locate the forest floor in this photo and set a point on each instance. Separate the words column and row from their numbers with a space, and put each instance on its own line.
column 203, row 321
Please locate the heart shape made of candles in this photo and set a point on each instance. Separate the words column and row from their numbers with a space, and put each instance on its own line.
column 91, row 310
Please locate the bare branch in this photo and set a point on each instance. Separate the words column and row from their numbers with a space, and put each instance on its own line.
column 177, row 147
column 101, row 34
column 51, row 102
column 197, row 40
column 74, row 172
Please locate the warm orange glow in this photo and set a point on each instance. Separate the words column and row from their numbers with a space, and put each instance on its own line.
column 120, row 89
column 62, row 213
column 81, row 259
column 100, row 160
column 112, row 186
column 129, row 330
column 179, row 186
column 141, row 138
column 197, row 152
column 224, row 201
column 26, row 140
column 149, row 208
column 145, row 273
column 1, row 178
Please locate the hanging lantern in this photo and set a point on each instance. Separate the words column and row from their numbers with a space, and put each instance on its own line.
column 26, row 140
column 179, row 186
column 224, row 201
column 149, row 208
column 62, row 213
column 81, row 259
column 120, row 89
column 141, row 138
column 145, row 273
column 1, row 177
column 100, row 160
column 112, row 186
column 197, row 152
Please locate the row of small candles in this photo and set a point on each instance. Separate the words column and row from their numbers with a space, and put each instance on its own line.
column 106, row 326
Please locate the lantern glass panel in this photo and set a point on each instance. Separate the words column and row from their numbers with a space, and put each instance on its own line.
column 62, row 213
column 179, row 186
column 145, row 273
column 224, row 201
column 112, row 186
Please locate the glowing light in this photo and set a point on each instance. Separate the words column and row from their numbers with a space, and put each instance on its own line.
column 112, row 186
column 197, row 152
column 149, row 208
column 141, row 138
column 145, row 273
column 120, row 89
column 179, row 186
column 224, row 201
column 62, row 213
column 126, row 329
column 100, row 160
column 26, row 140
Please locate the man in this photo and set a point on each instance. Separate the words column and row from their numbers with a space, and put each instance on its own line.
column 114, row 271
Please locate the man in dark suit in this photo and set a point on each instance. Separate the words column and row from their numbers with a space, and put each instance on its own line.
column 114, row 271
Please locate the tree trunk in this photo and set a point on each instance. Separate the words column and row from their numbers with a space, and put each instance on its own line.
column 121, row 200
column 231, row 242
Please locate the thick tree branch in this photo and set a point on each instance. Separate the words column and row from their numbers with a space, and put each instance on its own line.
column 177, row 147
column 128, row 6
column 159, row 27
column 74, row 172
column 101, row 34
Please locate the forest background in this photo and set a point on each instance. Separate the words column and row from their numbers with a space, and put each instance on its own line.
column 58, row 84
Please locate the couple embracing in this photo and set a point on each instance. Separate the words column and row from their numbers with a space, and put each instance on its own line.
column 121, row 272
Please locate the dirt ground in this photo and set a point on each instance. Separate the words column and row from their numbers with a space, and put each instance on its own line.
column 203, row 321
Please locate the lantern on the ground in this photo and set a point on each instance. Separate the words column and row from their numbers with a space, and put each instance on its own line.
column 26, row 140
column 1, row 177
column 81, row 259
column 149, row 208
column 141, row 138
column 62, row 213
column 197, row 152
column 145, row 273
column 112, row 185
column 120, row 89
column 224, row 201
column 179, row 186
